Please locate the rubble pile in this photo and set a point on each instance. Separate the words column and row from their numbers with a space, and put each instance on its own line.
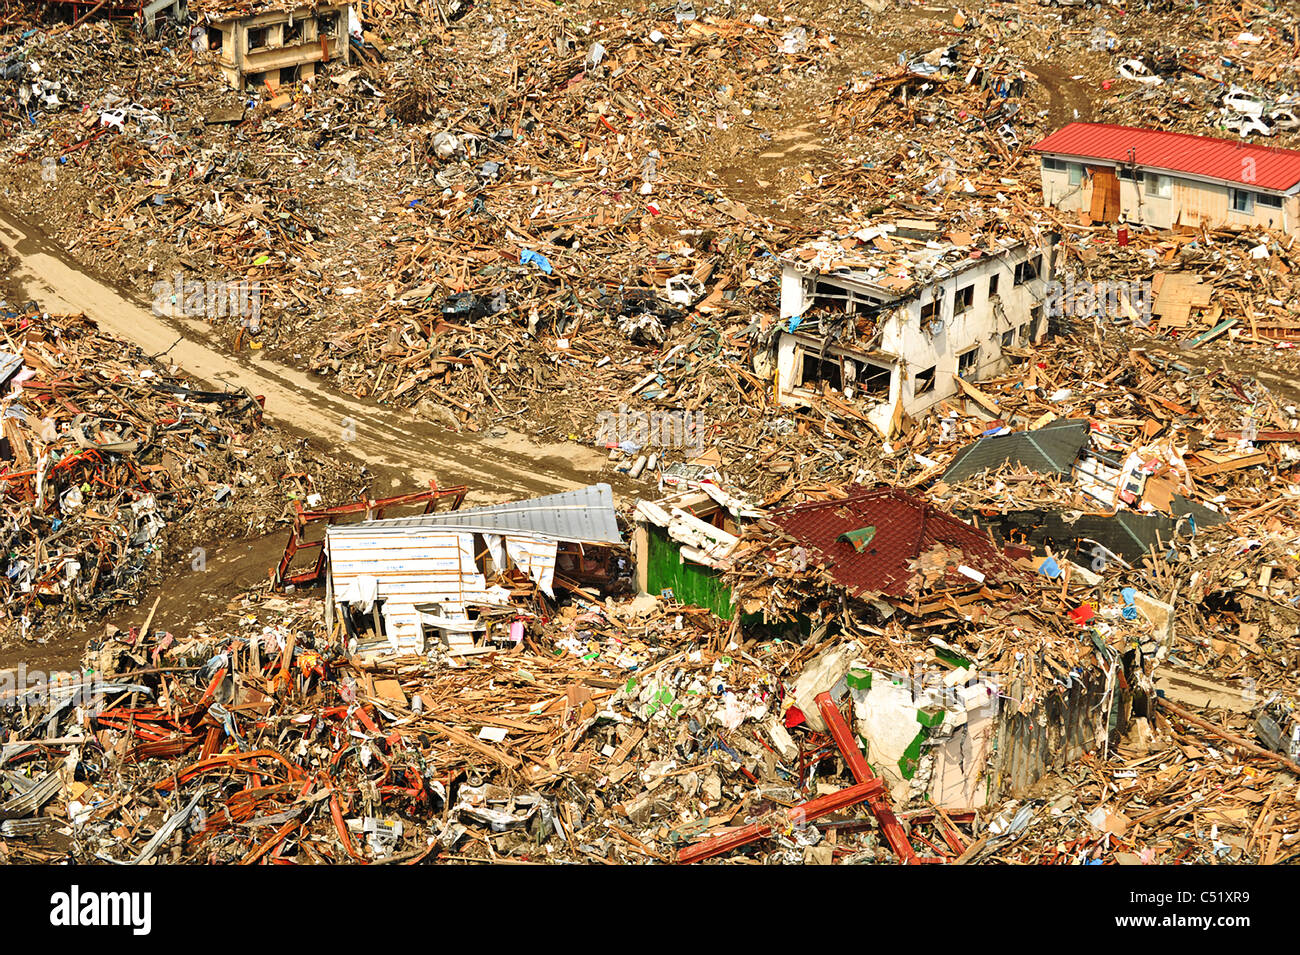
column 969, row 465
column 112, row 463
column 619, row 754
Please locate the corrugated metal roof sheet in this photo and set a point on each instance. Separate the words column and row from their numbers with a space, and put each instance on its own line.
column 9, row 365
column 585, row 515
column 1052, row 449
column 905, row 526
column 1265, row 167
column 1127, row 533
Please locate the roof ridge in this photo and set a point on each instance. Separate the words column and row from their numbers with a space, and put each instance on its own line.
column 1238, row 143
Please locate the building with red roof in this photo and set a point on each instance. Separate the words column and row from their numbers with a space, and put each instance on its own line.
column 888, row 542
column 1165, row 179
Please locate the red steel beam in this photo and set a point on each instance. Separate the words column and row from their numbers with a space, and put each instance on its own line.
column 802, row 813
column 894, row 832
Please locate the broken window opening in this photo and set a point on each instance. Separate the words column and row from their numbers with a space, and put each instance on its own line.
column 216, row 39
column 963, row 300
column 328, row 25
column 967, row 362
column 874, row 380
column 923, row 381
column 932, row 310
column 817, row 371
column 993, row 286
column 294, row 31
column 259, row 38
column 832, row 297
column 1028, row 270
column 1008, row 338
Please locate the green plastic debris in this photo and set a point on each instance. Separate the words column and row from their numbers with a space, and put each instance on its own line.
column 930, row 717
column 858, row 679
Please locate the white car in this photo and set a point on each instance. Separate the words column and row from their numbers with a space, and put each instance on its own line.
column 1137, row 70
column 118, row 115
column 1284, row 118
column 1245, row 125
column 1244, row 102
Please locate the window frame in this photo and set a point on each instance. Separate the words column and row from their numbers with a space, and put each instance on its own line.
column 1159, row 186
column 971, row 356
column 935, row 305
column 963, row 300
column 1022, row 275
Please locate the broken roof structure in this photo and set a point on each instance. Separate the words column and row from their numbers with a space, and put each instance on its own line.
column 1085, row 537
column 895, row 259
column 440, row 571
column 913, row 543
column 1051, row 449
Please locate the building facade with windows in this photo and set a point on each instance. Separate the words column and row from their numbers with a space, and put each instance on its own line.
column 281, row 42
column 888, row 319
column 1164, row 179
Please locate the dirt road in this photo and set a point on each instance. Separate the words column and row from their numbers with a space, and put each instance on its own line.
column 403, row 451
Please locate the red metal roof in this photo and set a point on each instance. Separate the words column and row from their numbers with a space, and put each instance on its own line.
column 906, row 526
column 1267, row 167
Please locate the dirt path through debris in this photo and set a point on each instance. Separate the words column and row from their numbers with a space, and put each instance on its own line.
column 405, row 452
column 1068, row 99
column 188, row 598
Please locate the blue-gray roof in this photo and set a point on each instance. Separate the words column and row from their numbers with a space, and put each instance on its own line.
column 1052, row 449
column 585, row 515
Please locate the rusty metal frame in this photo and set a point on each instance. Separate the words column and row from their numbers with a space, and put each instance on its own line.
column 893, row 830
column 795, row 815
column 373, row 508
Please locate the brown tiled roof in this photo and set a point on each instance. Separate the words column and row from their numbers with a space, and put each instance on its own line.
column 906, row 527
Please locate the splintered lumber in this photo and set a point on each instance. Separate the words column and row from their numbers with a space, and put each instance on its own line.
column 1230, row 737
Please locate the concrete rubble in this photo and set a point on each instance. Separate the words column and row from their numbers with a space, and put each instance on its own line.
column 945, row 506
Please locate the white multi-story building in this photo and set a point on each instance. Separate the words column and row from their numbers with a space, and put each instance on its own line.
column 889, row 318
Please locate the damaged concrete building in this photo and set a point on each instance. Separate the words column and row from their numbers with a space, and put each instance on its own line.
column 1004, row 696
column 279, row 41
column 893, row 317
column 1159, row 178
